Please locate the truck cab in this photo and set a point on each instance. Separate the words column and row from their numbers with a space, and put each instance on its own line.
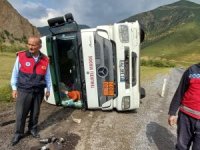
column 101, row 63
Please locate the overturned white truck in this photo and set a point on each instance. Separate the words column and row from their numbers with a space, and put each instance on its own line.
column 102, row 63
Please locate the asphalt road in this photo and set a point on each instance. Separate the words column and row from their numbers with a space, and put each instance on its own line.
column 143, row 129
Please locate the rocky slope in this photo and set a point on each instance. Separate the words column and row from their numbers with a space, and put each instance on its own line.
column 12, row 25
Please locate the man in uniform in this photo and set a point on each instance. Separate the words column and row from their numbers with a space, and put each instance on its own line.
column 187, row 100
column 30, row 77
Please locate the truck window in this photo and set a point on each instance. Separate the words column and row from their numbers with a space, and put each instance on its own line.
column 127, row 67
column 104, row 54
column 134, row 56
column 68, row 64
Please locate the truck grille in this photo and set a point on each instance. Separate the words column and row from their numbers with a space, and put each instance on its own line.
column 104, row 57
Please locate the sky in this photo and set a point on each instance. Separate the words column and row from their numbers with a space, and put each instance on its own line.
column 89, row 12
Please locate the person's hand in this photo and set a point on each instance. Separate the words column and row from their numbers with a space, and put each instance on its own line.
column 172, row 120
column 66, row 92
column 14, row 94
column 47, row 94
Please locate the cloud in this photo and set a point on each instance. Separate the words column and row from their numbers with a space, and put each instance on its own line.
column 42, row 20
column 90, row 12
column 34, row 10
column 36, row 13
column 95, row 12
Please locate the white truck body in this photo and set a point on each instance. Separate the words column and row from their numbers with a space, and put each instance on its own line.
column 110, row 61
column 111, row 32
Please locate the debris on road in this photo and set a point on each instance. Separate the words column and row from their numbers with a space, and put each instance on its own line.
column 76, row 120
column 52, row 143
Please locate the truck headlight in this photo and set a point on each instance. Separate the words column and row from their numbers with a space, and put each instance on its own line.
column 125, row 102
column 123, row 33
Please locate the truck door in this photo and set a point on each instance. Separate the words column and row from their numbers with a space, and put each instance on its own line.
column 65, row 70
column 52, row 54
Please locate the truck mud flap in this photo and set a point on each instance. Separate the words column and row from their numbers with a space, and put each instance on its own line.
column 142, row 93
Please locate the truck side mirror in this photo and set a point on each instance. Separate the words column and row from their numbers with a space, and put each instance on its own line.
column 69, row 18
column 55, row 22
column 142, row 35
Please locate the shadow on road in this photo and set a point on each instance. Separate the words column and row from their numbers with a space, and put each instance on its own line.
column 56, row 117
column 161, row 136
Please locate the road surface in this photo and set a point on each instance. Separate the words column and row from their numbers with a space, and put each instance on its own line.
column 143, row 129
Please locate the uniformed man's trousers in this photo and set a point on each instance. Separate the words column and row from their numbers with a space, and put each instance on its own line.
column 27, row 102
column 188, row 132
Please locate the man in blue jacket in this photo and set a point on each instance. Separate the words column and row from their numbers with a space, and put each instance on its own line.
column 30, row 77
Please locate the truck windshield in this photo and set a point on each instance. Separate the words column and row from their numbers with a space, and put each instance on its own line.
column 68, row 71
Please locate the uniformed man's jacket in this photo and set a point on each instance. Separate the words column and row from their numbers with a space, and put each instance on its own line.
column 187, row 96
column 31, row 73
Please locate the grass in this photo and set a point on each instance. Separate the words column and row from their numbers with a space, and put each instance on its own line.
column 181, row 46
column 7, row 61
column 150, row 73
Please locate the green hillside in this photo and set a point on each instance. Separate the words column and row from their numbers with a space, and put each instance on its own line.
column 172, row 32
column 181, row 45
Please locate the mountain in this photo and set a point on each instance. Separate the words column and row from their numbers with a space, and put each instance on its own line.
column 172, row 32
column 45, row 30
column 14, row 27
